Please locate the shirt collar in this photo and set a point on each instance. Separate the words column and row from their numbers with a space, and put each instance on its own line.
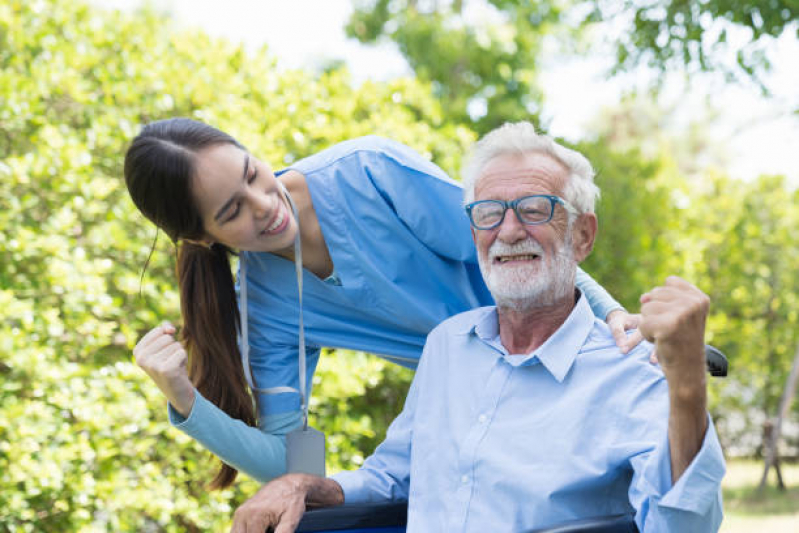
column 558, row 352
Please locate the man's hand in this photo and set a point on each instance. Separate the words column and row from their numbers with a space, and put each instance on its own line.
column 619, row 322
column 164, row 359
column 673, row 317
column 281, row 503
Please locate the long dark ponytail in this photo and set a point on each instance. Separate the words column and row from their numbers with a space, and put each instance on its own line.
column 159, row 167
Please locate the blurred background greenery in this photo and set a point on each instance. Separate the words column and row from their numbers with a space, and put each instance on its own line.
column 84, row 440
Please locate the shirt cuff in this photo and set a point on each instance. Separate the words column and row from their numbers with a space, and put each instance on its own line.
column 354, row 489
column 280, row 423
column 698, row 487
column 351, row 486
column 185, row 423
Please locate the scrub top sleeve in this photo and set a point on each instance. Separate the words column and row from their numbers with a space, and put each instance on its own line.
column 247, row 449
column 601, row 302
column 427, row 201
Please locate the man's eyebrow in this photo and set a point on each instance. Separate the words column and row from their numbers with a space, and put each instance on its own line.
column 227, row 204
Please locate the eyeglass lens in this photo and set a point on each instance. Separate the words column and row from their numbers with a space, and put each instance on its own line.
column 531, row 210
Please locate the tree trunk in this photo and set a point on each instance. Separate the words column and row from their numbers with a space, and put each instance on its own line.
column 772, row 433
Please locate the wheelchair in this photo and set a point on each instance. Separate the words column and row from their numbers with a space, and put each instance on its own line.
column 391, row 517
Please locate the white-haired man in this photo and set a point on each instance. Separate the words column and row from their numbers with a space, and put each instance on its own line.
column 527, row 414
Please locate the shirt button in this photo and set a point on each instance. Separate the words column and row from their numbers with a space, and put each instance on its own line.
column 482, row 419
column 465, row 479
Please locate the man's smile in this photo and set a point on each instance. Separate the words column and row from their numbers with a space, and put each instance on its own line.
column 516, row 258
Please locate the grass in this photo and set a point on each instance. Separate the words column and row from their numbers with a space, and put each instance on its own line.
column 747, row 510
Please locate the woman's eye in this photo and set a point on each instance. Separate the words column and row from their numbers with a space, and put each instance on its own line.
column 235, row 212
column 253, row 176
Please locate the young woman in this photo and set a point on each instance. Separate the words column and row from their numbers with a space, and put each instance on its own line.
column 386, row 255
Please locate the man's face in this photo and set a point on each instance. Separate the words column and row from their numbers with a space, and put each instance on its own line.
column 525, row 266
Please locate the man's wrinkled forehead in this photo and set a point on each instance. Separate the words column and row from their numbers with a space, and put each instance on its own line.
column 536, row 170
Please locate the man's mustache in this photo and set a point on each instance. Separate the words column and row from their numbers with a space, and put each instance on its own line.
column 527, row 246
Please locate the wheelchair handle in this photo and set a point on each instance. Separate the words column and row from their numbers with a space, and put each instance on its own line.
column 716, row 361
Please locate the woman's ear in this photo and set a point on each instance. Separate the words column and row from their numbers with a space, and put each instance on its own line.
column 205, row 243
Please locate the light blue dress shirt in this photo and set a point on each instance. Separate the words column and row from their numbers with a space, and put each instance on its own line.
column 404, row 260
column 490, row 441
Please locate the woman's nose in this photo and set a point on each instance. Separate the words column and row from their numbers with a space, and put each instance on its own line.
column 261, row 205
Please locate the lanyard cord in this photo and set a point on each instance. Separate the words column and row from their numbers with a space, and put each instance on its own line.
column 245, row 341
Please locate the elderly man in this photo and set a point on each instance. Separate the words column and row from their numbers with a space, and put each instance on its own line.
column 527, row 414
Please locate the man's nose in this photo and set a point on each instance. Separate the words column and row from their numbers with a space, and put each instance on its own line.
column 511, row 230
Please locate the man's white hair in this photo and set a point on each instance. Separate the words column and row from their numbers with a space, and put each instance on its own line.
column 520, row 138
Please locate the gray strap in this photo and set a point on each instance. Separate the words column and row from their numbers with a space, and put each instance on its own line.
column 245, row 340
column 298, row 269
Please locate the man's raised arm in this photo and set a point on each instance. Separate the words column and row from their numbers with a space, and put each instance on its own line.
column 673, row 318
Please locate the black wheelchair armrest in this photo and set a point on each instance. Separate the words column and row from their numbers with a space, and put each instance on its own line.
column 717, row 363
column 343, row 517
column 395, row 514
column 623, row 523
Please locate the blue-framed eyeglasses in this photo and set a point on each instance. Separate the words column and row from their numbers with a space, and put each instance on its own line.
column 530, row 210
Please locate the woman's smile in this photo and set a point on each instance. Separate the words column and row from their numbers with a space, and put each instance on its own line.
column 279, row 223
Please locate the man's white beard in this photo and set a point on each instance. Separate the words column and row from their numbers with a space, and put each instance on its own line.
column 541, row 283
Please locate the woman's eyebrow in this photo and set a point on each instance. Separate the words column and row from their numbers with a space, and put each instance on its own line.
column 227, row 204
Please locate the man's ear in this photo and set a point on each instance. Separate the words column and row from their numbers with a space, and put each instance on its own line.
column 474, row 235
column 583, row 235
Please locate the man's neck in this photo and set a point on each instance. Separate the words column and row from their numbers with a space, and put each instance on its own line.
column 523, row 330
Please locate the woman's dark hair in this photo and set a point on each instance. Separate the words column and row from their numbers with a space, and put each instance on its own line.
column 159, row 169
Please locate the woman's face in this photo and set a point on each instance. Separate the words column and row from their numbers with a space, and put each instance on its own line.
column 241, row 202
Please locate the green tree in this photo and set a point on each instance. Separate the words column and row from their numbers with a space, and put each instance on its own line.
column 84, row 440
column 745, row 254
column 481, row 64
column 636, row 247
column 482, row 56
column 665, row 34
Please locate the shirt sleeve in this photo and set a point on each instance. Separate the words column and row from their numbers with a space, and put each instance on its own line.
column 691, row 504
column 385, row 475
column 251, row 450
column 601, row 302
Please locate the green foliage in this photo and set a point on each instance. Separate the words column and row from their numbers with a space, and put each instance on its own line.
column 482, row 55
column 84, row 440
column 746, row 257
column 636, row 247
column 354, row 407
column 672, row 33
column 474, row 60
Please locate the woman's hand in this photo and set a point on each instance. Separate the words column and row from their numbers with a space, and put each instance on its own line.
column 620, row 321
column 164, row 359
